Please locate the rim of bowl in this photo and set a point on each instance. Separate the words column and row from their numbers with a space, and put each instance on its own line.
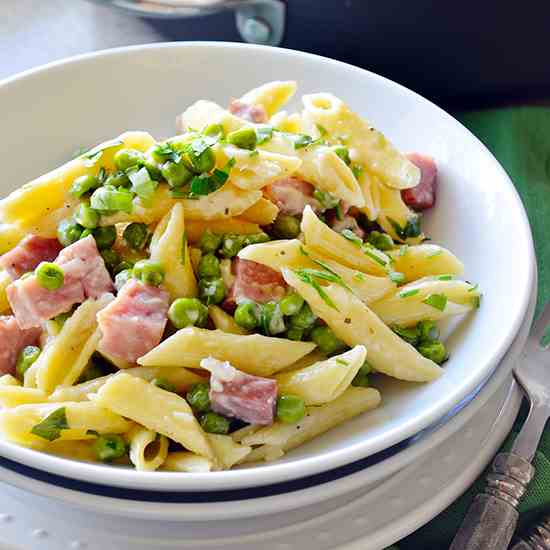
column 276, row 472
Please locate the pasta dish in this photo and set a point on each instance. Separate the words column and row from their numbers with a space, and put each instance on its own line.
column 222, row 296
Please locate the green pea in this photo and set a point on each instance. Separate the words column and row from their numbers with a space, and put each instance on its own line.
column 87, row 217
column 135, row 235
column 176, row 174
column 290, row 408
column 83, row 184
column 412, row 229
column 68, row 232
column 203, row 161
column 198, row 396
column 50, row 276
column 118, row 179
column 209, row 266
column 108, row 447
column 256, row 238
column 128, row 158
column 245, row 138
column 210, row 242
column 434, row 350
column 187, row 312
column 245, row 315
column 427, row 331
column 343, row 153
column 382, row 241
column 409, row 334
column 211, row 291
column 304, row 319
column 286, row 227
column 164, row 384
column 111, row 199
column 215, row 423
column 122, row 278
column 231, row 245
column 105, row 237
column 149, row 272
column 326, row 340
column 327, row 200
column 295, row 334
column 291, row 304
column 362, row 377
column 271, row 319
column 110, row 257
column 214, row 130
column 27, row 357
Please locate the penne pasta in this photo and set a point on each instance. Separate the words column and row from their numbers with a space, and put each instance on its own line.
column 67, row 355
column 317, row 420
column 354, row 323
column 272, row 96
column 224, row 321
column 74, row 421
column 369, row 146
column 5, row 281
column 194, row 229
column 263, row 212
column 324, row 381
column 148, row 450
column 228, row 451
column 254, row 353
column 169, row 247
column 185, row 461
column 423, row 260
column 295, row 255
column 321, row 238
column 158, row 410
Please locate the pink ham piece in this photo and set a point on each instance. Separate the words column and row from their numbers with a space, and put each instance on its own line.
column 133, row 323
column 12, row 341
column 252, row 113
column 256, row 282
column 423, row 195
column 85, row 277
column 28, row 254
column 233, row 393
column 291, row 195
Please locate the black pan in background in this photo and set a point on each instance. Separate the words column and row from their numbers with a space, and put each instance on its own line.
column 458, row 54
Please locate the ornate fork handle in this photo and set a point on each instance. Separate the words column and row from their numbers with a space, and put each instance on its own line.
column 492, row 517
column 537, row 539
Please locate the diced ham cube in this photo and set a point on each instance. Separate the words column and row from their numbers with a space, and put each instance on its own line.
column 347, row 222
column 85, row 277
column 133, row 323
column 291, row 195
column 12, row 341
column 28, row 254
column 423, row 195
column 252, row 113
column 235, row 394
column 256, row 282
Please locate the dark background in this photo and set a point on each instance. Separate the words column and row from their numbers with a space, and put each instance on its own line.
column 459, row 54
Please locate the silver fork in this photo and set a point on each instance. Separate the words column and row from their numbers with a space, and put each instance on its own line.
column 491, row 520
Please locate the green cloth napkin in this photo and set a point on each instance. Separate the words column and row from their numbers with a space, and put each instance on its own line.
column 520, row 139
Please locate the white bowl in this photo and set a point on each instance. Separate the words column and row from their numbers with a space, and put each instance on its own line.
column 49, row 112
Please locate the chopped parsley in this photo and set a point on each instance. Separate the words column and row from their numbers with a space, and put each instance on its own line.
column 254, row 153
column 322, row 130
column 263, row 133
column 94, row 154
column 357, row 170
column 351, row 236
column 142, row 185
column 326, row 199
column 358, row 276
column 183, row 248
column 476, row 301
column 435, row 253
column 368, row 249
column 208, row 183
column 307, row 278
column 342, row 362
column 410, row 230
column 409, row 293
column 403, row 250
column 397, row 277
column 444, row 278
column 438, row 301
column 50, row 428
column 474, row 288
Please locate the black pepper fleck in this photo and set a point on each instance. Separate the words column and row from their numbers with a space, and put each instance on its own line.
column 347, row 320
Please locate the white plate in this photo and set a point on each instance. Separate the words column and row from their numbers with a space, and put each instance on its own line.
column 297, row 494
column 368, row 520
column 48, row 112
